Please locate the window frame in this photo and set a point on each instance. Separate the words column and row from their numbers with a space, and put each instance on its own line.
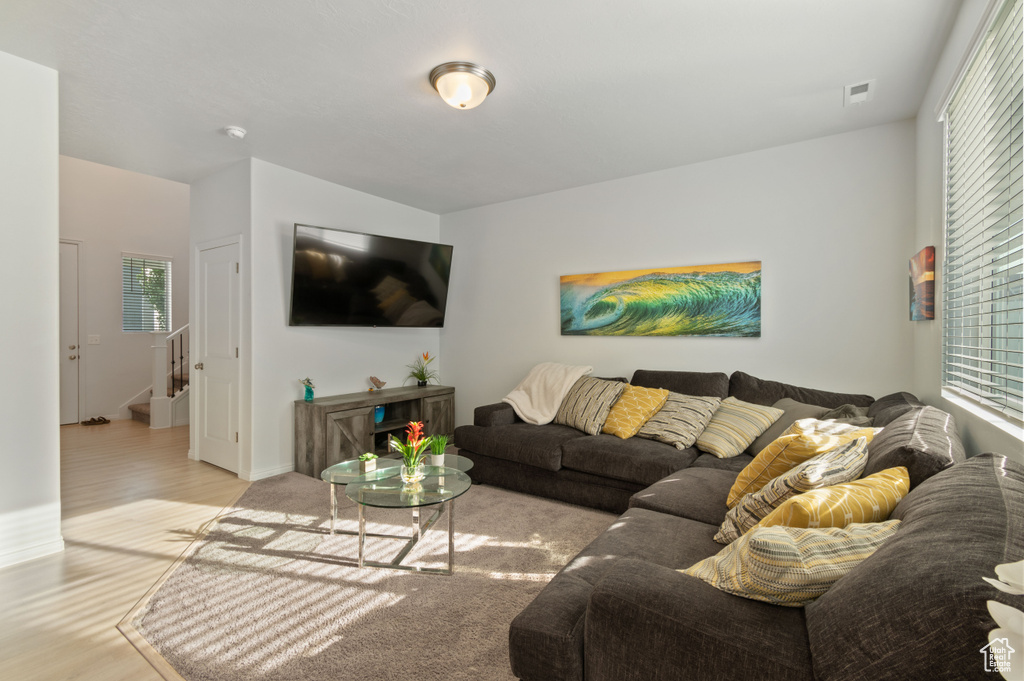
column 1011, row 421
column 168, row 288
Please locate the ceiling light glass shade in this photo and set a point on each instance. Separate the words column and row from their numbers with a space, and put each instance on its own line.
column 461, row 84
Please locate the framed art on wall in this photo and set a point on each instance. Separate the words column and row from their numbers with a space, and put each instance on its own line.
column 702, row 300
column 922, row 285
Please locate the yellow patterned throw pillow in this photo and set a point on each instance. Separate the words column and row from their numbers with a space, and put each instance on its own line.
column 801, row 441
column 734, row 426
column 789, row 565
column 635, row 406
column 842, row 464
column 868, row 500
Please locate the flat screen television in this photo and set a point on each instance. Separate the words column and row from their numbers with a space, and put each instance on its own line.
column 342, row 278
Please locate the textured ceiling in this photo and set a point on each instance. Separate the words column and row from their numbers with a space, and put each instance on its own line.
column 587, row 90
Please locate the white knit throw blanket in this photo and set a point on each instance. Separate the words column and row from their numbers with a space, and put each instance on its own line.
column 537, row 397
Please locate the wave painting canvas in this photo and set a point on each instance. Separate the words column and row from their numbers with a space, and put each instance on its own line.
column 704, row 300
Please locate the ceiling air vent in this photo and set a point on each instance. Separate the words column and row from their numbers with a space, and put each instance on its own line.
column 859, row 93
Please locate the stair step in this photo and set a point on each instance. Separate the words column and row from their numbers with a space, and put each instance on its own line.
column 140, row 412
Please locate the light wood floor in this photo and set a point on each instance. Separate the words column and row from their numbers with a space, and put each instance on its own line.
column 132, row 501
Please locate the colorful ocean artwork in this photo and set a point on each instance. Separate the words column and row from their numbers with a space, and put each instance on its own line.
column 704, row 300
column 922, row 285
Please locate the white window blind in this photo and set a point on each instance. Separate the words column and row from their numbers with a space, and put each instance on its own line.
column 145, row 294
column 982, row 351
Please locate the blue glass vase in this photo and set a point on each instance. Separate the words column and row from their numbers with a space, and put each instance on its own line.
column 309, row 394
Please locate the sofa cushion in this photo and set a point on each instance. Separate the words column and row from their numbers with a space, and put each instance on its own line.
column 695, row 493
column 680, row 420
column 646, row 622
column 791, row 566
column 836, row 466
column 868, row 500
column 734, row 425
column 546, row 638
column 539, row 446
column 587, row 404
column 632, row 410
column 801, row 441
column 701, row 384
column 923, row 440
column 889, row 408
column 733, row 465
column 916, row 609
column 633, row 460
column 759, row 391
column 792, row 411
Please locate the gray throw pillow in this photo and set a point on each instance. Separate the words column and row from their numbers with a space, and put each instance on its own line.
column 793, row 411
column 587, row 404
column 680, row 420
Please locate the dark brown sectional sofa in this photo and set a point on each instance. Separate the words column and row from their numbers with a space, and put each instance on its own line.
column 604, row 471
column 621, row 611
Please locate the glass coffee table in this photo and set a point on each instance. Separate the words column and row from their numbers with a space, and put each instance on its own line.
column 384, row 488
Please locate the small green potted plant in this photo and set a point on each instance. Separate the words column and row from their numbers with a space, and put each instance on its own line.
column 367, row 462
column 421, row 371
column 413, row 451
column 438, row 443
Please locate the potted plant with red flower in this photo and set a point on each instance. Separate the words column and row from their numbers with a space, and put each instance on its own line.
column 413, row 451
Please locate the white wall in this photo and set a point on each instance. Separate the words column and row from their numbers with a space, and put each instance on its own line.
column 29, row 301
column 831, row 220
column 220, row 208
column 112, row 211
column 338, row 359
column 978, row 434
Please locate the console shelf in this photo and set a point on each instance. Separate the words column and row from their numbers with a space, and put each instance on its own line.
column 337, row 428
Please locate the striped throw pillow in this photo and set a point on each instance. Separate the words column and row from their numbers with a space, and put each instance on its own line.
column 788, row 565
column 801, row 441
column 836, row 466
column 632, row 410
column 734, row 426
column 587, row 404
column 868, row 500
column 681, row 420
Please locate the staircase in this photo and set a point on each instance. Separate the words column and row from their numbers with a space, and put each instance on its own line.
column 140, row 412
column 170, row 369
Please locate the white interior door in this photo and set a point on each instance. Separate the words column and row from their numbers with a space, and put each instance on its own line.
column 69, row 349
column 216, row 368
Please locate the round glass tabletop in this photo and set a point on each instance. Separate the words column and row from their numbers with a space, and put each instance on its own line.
column 347, row 471
column 384, row 488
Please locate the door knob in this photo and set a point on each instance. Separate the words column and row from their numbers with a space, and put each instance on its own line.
column 199, row 366
column 72, row 347
column 72, row 356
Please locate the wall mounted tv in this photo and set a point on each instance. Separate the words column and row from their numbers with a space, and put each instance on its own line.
column 342, row 278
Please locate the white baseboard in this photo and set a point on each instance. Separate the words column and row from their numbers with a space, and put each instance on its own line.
column 21, row 532
column 253, row 476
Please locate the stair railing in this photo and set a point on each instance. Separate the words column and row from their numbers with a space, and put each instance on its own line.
column 180, row 339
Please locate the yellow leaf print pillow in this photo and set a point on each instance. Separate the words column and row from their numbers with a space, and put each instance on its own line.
column 868, row 500
column 635, row 406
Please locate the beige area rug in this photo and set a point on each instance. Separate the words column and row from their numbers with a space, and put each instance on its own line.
column 268, row 594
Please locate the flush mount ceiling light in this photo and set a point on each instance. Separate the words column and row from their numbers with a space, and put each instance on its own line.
column 235, row 132
column 461, row 84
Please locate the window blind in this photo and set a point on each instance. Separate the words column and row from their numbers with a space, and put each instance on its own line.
column 145, row 294
column 983, row 343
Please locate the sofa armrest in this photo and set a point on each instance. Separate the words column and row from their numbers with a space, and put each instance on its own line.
column 500, row 414
column 646, row 622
